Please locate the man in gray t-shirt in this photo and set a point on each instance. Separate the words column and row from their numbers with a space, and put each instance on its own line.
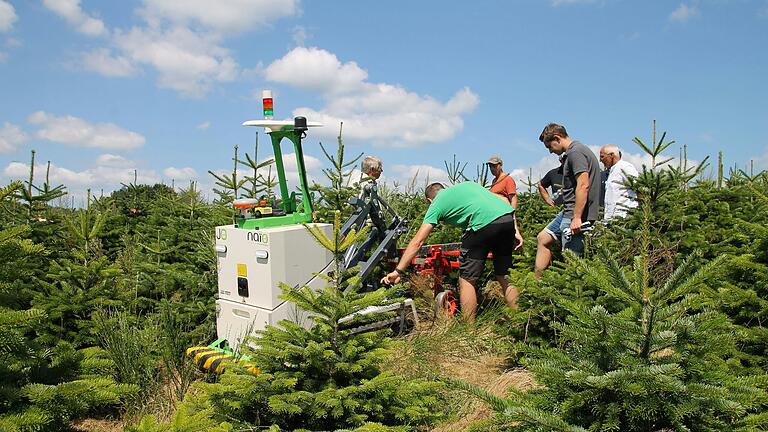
column 581, row 194
column 581, row 162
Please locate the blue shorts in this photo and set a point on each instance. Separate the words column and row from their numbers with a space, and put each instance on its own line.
column 557, row 229
column 554, row 227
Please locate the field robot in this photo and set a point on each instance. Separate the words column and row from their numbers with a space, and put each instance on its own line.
column 266, row 246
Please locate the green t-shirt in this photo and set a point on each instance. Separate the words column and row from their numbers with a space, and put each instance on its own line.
column 467, row 205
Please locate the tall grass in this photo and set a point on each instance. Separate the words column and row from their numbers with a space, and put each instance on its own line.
column 129, row 346
column 149, row 352
column 177, row 371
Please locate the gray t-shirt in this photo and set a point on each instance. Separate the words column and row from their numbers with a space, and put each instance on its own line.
column 579, row 159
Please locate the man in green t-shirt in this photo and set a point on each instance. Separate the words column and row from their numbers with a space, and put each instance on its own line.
column 488, row 226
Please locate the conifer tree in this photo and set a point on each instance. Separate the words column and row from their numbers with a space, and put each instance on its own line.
column 230, row 184
column 17, row 355
column 328, row 376
column 335, row 197
column 743, row 284
column 455, row 171
column 658, row 363
column 84, row 227
column 34, row 197
column 258, row 184
column 71, row 293
column 42, row 389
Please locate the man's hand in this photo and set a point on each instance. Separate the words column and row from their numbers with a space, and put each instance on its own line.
column 518, row 241
column 409, row 254
column 391, row 278
column 576, row 225
column 582, row 194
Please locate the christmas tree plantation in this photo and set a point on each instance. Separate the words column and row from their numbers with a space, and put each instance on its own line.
column 325, row 377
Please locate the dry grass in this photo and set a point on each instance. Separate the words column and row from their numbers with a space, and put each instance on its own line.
column 454, row 350
column 473, row 410
column 473, row 353
column 97, row 425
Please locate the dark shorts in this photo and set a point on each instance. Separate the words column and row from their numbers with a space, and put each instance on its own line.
column 497, row 237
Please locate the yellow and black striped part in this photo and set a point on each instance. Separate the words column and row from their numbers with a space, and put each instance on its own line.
column 216, row 360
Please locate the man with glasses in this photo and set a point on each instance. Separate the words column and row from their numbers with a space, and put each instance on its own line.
column 618, row 198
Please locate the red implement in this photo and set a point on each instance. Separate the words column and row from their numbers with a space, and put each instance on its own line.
column 437, row 260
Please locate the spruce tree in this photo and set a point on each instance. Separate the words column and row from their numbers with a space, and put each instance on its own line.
column 42, row 388
column 743, row 284
column 71, row 293
column 259, row 186
column 335, row 197
column 36, row 198
column 326, row 377
column 657, row 364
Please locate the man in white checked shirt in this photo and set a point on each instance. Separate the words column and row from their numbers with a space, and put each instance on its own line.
column 618, row 198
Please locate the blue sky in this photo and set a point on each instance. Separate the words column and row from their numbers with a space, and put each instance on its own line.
column 101, row 88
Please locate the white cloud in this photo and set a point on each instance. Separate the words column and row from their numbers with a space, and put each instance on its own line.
column 204, row 125
column 71, row 11
column 11, row 137
column 187, row 62
column 185, row 173
column 316, row 69
column 532, row 173
column 418, row 175
column 95, row 178
column 312, row 166
column 80, row 133
column 108, row 173
column 9, row 42
column 385, row 114
column 114, row 161
column 103, row 62
column 7, row 16
column 181, row 40
column 221, row 16
column 683, row 13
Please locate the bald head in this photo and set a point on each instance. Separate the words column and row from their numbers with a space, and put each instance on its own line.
column 611, row 149
column 609, row 155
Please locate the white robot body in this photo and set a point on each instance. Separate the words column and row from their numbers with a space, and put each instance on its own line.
column 251, row 266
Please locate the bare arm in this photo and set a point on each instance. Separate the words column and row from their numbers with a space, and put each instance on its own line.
column 416, row 242
column 582, row 193
column 518, row 236
column 544, row 194
column 410, row 252
column 512, row 200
